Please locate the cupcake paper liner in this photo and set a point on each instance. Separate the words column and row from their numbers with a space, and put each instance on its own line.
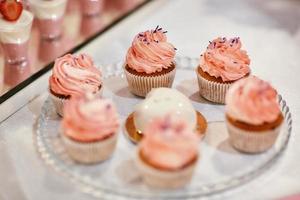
column 164, row 179
column 212, row 91
column 90, row 152
column 141, row 85
column 252, row 141
column 59, row 102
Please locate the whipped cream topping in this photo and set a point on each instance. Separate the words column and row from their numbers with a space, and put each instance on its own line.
column 150, row 52
column 161, row 101
column 253, row 101
column 90, row 118
column 224, row 58
column 16, row 32
column 169, row 142
column 44, row 9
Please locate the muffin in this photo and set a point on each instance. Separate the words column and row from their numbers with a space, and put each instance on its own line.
column 89, row 128
column 253, row 115
column 159, row 102
column 221, row 64
column 167, row 155
column 73, row 76
column 150, row 62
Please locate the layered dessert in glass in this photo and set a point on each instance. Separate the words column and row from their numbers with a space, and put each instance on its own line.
column 91, row 21
column 49, row 18
column 14, row 37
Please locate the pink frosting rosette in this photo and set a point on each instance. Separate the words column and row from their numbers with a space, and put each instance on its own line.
column 150, row 52
column 89, row 118
column 253, row 101
column 75, row 75
column 224, row 58
column 169, row 143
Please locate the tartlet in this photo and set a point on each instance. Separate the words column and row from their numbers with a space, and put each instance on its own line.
column 168, row 154
column 159, row 102
column 89, row 128
column 150, row 62
column 221, row 64
column 253, row 115
column 73, row 76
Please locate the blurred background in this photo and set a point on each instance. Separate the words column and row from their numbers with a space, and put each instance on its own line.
column 81, row 19
column 68, row 24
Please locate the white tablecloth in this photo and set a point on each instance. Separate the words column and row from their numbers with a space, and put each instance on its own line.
column 274, row 53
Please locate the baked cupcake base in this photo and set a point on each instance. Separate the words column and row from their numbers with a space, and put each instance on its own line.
column 135, row 136
column 212, row 90
column 253, row 139
column 90, row 152
column 141, row 84
column 59, row 100
column 164, row 179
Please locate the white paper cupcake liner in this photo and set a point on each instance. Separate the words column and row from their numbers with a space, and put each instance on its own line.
column 164, row 179
column 252, row 141
column 142, row 85
column 90, row 152
column 59, row 102
column 212, row 91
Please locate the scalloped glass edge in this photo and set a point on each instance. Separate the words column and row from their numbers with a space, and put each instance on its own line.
column 83, row 184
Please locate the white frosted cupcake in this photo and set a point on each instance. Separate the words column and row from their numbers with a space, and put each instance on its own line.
column 223, row 63
column 168, row 153
column 89, row 128
column 73, row 76
column 150, row 62
column 159, row 102
column 253, row 115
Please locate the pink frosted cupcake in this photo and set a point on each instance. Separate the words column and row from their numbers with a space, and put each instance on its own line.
column 90, row 128
column 150, row 62
column 168, row 153
column 73, row 76
column 253, row 115
column 221, row 64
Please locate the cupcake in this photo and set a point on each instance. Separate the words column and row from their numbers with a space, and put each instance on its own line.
column 89, row 128
column 221, row 64
column 73, row 76
column 159, row 102
column 253, row 115
column 167, row 155
column 150, row 62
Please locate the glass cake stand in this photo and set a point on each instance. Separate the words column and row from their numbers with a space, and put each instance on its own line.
column 220, row 168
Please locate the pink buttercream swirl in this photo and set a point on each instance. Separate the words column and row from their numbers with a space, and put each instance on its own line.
column 253, row 101
column 75, row 75
column 89, row 118
column 224, row 58
column 150, row 52
column 169, row 143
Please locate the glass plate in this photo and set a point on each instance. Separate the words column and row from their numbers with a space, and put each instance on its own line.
column 220, row 167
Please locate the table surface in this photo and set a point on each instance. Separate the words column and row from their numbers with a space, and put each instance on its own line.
column 271, row 39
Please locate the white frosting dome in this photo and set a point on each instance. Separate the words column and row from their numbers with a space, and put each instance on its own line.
column 161, row 101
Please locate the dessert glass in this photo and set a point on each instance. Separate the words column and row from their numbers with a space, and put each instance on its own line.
column 14, row 39
column 91, row 21
column 49, row 18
